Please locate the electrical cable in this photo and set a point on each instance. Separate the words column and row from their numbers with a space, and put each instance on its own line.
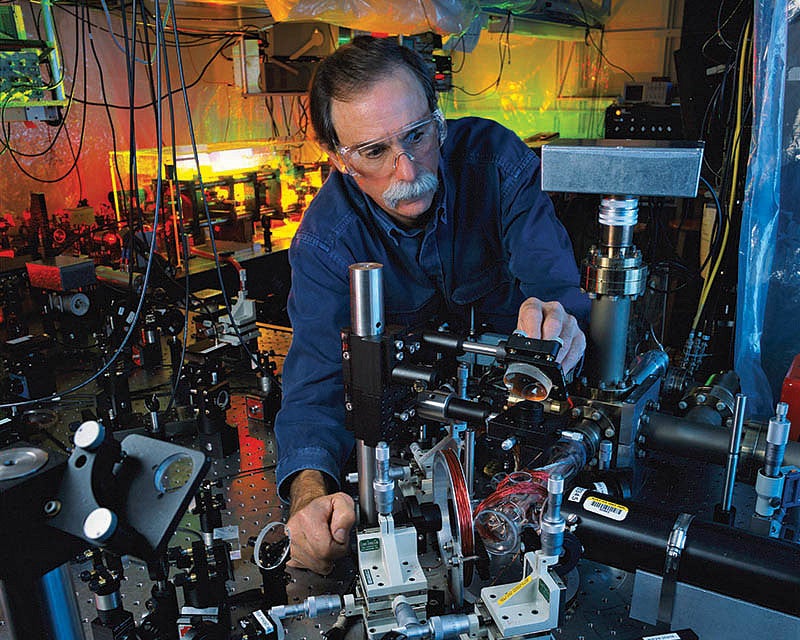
column 502, row 52
column 113, row 129
column 137, row 313
column 5, row 127
column 735, row 173
column 190, row 85
column 718, row 225
column 179, row 227
column 257, row 364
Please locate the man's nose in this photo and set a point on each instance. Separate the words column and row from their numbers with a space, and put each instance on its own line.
column 404, row 166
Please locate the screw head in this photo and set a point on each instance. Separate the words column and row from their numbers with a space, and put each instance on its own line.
column 720, row 406
column 609, row 433
column 682, row 405
column 51, row 508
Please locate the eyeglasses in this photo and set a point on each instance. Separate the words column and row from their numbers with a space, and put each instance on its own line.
column 378, row 158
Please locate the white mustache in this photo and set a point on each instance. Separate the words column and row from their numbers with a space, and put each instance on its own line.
column 400, row 190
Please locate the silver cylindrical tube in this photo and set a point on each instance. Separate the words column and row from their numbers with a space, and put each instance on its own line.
column 553, row 523
column 555, row 493
column 451, row 626
column 608, row 329
column 383, row 485
column 733, row 451
column 55, row 60
column 366, row 299
column 365, row 465
column 777, row 437
column 366, row 319
column 491, row 350
column 107, row 602
column 618, row 216
column 652, row 363
column 403, row 612
column 604, row 455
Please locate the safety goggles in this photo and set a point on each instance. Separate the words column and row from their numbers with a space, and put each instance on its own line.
column 378, row 158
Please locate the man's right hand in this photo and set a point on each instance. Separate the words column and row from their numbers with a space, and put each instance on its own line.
column 319, row 524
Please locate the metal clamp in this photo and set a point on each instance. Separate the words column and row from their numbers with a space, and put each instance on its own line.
column 675, row 545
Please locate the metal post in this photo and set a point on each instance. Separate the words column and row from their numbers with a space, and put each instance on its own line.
column 366, row 319
column 733, row 451
column 55, row 61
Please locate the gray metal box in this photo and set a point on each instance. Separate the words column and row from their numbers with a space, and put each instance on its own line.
column 623, row 167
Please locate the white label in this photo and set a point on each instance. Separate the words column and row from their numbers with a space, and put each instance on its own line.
column 663, row 636
column 18, row 340
column 606, row 508
column 576, row 494
column 258, row 614
column 601, row 487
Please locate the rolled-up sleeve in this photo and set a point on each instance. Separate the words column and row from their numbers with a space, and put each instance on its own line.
column 310, row 425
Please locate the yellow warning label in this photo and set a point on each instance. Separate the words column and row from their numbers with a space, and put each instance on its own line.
column 515, row 589
column 606, row 508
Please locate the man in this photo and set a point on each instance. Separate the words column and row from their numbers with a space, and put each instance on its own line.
column 455, row 214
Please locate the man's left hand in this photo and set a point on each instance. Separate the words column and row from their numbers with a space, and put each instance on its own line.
column 550, row 321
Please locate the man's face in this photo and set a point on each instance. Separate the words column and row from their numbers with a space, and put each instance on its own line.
column 406, row 190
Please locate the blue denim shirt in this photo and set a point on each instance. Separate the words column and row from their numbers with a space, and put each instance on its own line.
column 492, row 241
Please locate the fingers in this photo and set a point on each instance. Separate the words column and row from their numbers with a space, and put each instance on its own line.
column 574, row 353
column 529, row 320
column 549, row 321
column 343, row 518
column 319, row 532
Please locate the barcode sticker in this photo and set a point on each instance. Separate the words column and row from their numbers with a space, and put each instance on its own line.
column 606, row 508
column 663, row 636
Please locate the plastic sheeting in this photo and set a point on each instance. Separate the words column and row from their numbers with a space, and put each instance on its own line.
column 395, row 16
column 769, row 251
